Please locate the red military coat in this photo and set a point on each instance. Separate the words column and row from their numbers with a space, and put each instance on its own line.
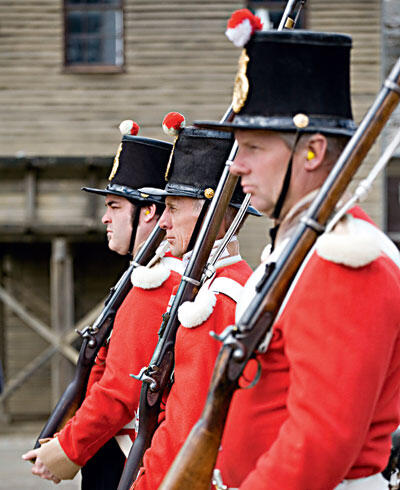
column 327, row 400
column 195, row 354
column 112, row 395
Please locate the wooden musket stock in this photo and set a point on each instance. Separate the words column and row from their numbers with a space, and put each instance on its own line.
column 193, row 467
column 93, row 338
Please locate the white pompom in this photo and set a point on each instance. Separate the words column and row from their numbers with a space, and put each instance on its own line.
column 240, row 35
column 126, row 126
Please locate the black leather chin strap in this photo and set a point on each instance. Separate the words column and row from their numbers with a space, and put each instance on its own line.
column 135, row 223
column 284, row 190
column 197, row 227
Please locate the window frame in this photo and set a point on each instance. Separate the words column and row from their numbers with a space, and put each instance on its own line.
column 92, row 67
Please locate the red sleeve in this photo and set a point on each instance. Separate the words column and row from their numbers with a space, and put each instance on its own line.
column 195, row 355
column 112, row 401
column 98, row 368
column 341, row 340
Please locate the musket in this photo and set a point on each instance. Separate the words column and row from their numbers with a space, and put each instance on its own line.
column 157, row 375
column 193, row 467
column 94, row 337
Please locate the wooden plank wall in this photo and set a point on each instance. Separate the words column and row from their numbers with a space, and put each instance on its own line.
column 362, row 20
column 26, row 276
column 177, row 58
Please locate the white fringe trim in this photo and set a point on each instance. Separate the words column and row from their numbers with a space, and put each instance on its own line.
column 150, row 278
column 194, row 313
column 350, row 243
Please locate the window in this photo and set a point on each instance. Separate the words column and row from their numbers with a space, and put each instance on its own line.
column 93, row 35
column 271, row 11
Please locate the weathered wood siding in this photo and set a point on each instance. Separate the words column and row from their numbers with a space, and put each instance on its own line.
column 177, row 58
column 26, row 276
column 362, row 20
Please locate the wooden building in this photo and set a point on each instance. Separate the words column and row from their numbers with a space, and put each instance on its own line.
column 70, row 71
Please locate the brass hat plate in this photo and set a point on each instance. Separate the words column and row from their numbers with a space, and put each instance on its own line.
column 241, row 87
column 116, row 163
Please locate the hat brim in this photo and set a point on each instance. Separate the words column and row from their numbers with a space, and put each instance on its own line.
column 339, row 127
column 133, row 195
column 152, row 191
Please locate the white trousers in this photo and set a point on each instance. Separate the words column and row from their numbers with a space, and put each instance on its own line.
column 374, row 482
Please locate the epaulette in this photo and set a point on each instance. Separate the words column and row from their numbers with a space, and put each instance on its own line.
column 193, row 313
column 150, row 277
column 354, row 243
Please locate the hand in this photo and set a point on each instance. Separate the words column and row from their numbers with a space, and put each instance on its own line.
column 39, row 468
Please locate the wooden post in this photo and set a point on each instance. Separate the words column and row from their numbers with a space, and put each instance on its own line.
column 30, row 195
column 4, row 417
column 62, row 310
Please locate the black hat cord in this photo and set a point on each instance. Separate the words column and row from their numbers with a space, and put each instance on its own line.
column 283, row 193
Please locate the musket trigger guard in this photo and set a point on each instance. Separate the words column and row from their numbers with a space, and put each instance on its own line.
column 313, row 224
column 192, row 281
column 392, row 86
column 256, row 378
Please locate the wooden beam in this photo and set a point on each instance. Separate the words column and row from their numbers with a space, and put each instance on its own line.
column 62, row 310
column 19, row 379
column 41, row 328
column 30, row 195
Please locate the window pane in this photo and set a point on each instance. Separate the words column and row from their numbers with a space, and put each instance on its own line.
column 76, row 22
column 109, row 24
column 94, row 22
column 75, row 50
column 94, row 51
column 94, row 32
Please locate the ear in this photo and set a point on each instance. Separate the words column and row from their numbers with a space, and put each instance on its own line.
column 314, row 152
column 148, row 212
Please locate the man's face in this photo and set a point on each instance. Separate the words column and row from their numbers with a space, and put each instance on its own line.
column 179, row 220
column 261, row 163
column 118, row 220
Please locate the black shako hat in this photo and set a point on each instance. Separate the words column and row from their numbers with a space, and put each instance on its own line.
column 139, row 162
column 196, row 164
column 286, row 75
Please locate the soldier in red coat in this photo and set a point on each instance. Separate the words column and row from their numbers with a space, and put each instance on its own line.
column 322, row 413
column 197, row 163
column 98, row 437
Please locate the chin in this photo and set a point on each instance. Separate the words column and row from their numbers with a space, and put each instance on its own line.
column 176, row 253
column 261, row 205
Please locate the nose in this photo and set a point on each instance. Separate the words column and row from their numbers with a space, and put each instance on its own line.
column 238, row 166
column 165, row 222
column 106, row 218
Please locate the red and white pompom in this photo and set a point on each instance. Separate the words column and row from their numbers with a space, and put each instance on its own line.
column 172, row 123
column 129, row 127
column 241, row 26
